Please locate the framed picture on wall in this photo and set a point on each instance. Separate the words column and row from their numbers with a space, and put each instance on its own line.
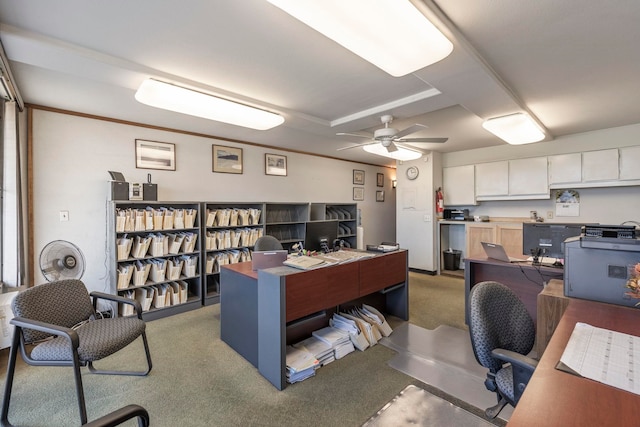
column 155, row 155
column 380, row 180
column 358, row 193
column 227, row 159
column 379, row 196
column 275, row 164
column 358, row 177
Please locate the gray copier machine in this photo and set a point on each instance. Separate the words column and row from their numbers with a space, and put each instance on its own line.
column 597, row 268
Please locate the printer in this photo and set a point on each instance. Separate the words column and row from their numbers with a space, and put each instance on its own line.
column 596, row 264
column 456, row 214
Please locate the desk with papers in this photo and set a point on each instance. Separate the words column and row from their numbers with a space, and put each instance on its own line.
column 262, row 312
column 557, row 398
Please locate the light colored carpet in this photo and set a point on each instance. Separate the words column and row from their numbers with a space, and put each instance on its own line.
column 416, row 407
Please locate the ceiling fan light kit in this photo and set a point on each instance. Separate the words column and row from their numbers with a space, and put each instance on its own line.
column 516, row 129
column 388, row 141
column 400, row 153
column 187, row 101
column 393, row 35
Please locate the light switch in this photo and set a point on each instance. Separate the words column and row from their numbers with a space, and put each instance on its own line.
column 427, row 218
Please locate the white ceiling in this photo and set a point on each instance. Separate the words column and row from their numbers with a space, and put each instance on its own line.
column 574, row 64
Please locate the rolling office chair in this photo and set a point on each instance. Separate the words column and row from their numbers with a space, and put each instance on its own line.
column 56, row 324
column 267, row 243
column 502, row 334
column 122, row 415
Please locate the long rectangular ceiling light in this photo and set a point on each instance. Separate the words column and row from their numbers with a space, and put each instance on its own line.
column 516, row 129
column 400, row 154
column 186, row 101
column 391, row 34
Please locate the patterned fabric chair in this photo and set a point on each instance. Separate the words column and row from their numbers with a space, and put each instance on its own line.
column 56, row 324
column 502, row 334
column 267, row 243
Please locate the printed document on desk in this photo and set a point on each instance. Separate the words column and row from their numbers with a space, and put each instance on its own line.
column 305, row 262
column 609, row 357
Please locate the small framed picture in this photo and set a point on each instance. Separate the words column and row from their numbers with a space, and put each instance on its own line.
column 358, row 193
column 380, row 180
column 227, row 159
column 155, row 155
column 379, row 196
column 275, row 164
column 358, row 177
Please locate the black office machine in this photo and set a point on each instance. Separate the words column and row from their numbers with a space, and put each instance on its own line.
column 456, row 214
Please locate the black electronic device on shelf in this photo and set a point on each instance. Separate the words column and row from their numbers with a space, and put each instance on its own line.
column 609, row 231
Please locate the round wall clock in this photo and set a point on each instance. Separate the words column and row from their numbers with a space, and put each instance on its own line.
column 412, row 172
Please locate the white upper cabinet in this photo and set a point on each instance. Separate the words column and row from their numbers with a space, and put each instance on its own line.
column 630, row 163
column 565, row 168
column 528, row 177
column 459, row 185
column 512, row 180
column 492, row 179
column 601, row 165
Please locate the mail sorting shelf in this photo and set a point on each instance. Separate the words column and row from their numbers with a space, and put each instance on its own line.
column 155, row 255
column 230, row 231
column 345, row 215
column 286, row 222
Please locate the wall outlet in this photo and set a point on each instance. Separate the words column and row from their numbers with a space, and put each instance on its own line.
column 549, row 214
column 64, row 216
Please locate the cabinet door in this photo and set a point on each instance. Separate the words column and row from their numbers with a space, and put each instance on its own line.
column 565, row 168
column 510, row 237
column 528, row 176
column 492, row 179
column 601, row 165
column 476, row 234
column 459, row 185
column 630, row 162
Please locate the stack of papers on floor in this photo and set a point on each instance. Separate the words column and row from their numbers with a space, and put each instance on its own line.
column 320, row 349
column 337, row 338
column 300, row 364
column 349, row 325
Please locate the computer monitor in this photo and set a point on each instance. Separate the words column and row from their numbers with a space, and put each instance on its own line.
column 543, row 239
column 319, row 232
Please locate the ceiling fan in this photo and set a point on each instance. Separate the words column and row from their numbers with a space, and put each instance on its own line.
column 390, row 138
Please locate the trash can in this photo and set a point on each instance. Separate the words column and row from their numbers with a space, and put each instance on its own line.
column 451, row 259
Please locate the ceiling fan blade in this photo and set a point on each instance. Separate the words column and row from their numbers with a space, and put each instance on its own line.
column 411, row 129
column 435, row 140
column 357, row 145
column 391, row 147
column 359, row 135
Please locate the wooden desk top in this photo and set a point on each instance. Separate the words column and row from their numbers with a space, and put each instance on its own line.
column 556, row 398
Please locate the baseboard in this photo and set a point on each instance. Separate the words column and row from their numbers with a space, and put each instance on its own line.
column 417, row 270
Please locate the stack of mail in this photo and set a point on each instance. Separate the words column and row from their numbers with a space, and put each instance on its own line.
column 254, row 216
column 300, row 364
column 338, row 339
column 350, row 326
column 320, row 349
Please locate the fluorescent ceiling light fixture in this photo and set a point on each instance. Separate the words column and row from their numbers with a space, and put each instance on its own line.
column 515, row 129
column 186, row 101
column 391, row 34
column 401, row 153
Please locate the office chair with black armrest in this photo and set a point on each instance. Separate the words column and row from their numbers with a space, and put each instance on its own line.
column 502, row 334
column 267, row 243
column 56, row 324
column 121, row 415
